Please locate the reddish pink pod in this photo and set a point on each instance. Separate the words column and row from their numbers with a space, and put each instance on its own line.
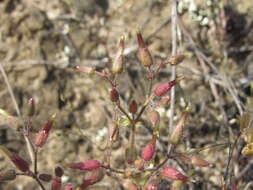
column 87, row 165
column 173, row 174
column 56, row 183
column 149, row 151
column 162, row 88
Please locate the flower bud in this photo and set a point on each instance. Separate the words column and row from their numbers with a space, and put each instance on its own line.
column 173, row 174
column 9, row 175
column 92, row 178
column 68, row 187
column 31, row 107
column 19, row 162
column 87, row 165
column 42, row 135
column 86, row 70
column 148, row 152
column 163, row 88
column 179, row 129
column 118, row 63
column 129, row 185
column 154, row 118
column 58, row 171
column 175, row 60
column 197, row 161
column 45, row 177
column 133, row 107
column 144, row 54
column 114, row 95
column 56, row 183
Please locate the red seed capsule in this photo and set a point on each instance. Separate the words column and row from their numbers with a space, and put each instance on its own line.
column 68, row 187
column 148, row 152
column 56, row 183
column 133, row 107
column 173, row 174
column 92, row 178
column 144, row 54
column 114, row 95
column 163, row 88
column 42, row 135
column 87, row 165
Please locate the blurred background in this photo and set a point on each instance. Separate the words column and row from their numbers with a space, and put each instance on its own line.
column 41, row 41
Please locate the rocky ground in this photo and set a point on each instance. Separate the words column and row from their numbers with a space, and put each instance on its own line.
column 41, row 42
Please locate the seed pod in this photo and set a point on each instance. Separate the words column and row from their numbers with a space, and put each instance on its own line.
column 31, row 107
column 148, row 152
column 144, row 54
column 87, row 165
column 9, row 175
column 58, row 171
column 173, row 174
column 119, row 61
column 42, row 135
column 179, row 129
column 133, row 107
column 163, row 88
column 68, row 187
column 45, row 177
column 154, row 118
column 197, row 161
column 86, row 70
column 56, row 183
column 114, row 95
column 175, row 60
column 92, row 178
column 129, row 185
column 19, row 162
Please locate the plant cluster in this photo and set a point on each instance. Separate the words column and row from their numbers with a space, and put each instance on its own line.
column 139, row 171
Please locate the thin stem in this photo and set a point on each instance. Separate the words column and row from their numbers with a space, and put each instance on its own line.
column 123, row 111
column 27, row 140
column 113, row 170
column 174, row 52
column 35, row 161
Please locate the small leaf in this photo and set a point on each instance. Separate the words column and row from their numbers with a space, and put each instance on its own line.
column 124, row 122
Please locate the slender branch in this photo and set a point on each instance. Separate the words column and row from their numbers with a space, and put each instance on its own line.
column 174, row 52
column 27, row 140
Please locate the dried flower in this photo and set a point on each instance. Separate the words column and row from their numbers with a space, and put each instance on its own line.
column 87, row 165
column 42, row 135
column 173, row 174
column 178, row 131
column 92, row 178
column 19, row 162
column 56, row 183
column 114, row 95
column 8, row 175
column 163, row 88
column 118, row 63
column 86, row 70
column 197, row 161
column 175, row 60
column 133, row 107
column 248, row 149
column 144, row 54
column 154, row 118
column 148, row 152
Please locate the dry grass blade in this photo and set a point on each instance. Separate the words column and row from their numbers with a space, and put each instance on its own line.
column 245, row 121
